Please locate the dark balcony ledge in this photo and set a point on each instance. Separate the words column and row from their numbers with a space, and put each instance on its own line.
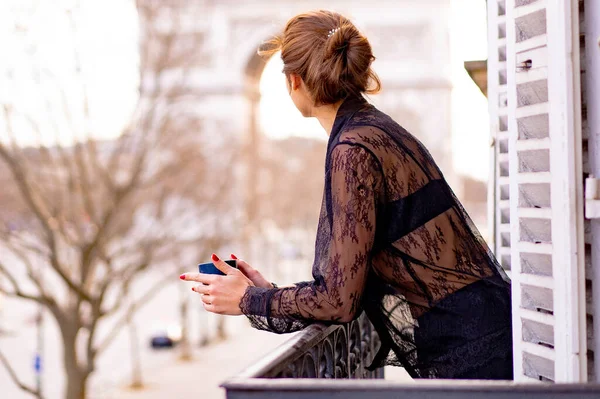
column 423, row 389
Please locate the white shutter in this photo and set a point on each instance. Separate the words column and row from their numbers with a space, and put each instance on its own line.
column 499, row 189
column 590, row 80
column 539, row 157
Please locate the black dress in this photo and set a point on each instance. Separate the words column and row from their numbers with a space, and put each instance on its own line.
column 393, row 241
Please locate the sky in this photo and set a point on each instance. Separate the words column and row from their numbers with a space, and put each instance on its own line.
column 108, row 53
column 109, row 60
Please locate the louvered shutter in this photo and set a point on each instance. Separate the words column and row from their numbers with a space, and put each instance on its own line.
column 497, row 99
column 590, row 82
column 538, row 151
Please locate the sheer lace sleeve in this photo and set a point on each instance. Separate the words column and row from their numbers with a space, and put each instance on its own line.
column 342, row 255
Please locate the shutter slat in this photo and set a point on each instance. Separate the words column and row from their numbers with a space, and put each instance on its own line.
column 538, row 317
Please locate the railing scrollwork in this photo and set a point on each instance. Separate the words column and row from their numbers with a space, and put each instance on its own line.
column 337, row 351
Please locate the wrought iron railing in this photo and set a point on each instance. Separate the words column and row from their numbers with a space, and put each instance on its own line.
column 338, row 351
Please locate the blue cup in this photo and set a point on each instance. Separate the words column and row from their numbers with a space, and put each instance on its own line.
column 210, row 268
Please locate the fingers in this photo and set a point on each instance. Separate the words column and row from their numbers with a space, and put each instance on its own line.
column 221, row 294
column 242, row 265
column 211, row 308
column 200, row 277
column 207, row 302
column 202, row 289
column 222, row 266
column 207, row 299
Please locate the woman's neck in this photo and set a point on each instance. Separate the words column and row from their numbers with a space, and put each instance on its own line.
column 326, row 115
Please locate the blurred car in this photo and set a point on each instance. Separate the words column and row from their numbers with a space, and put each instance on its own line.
column 165, row 337
column 161, row 341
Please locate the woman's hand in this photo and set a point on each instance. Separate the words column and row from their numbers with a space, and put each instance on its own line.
column 253, row 274
column 221, row 294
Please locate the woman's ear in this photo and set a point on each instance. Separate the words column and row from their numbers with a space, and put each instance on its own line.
column 295, row 81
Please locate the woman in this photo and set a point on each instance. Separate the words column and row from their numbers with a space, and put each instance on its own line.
column 393, row 240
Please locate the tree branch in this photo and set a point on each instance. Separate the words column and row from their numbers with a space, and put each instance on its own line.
column 21, row 295
column 8, row 237
column 17, row 292
column 15, row 378
column 40, row 210
column 22, row 255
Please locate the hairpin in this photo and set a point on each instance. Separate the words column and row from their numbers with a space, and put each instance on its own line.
column 331, row 32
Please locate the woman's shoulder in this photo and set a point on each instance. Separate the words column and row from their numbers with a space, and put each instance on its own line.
column 372, row 116
column 364, row 135
column 377, row 131
column 371, row 129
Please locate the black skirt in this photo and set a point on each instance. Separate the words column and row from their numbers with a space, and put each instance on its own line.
column 468, row 335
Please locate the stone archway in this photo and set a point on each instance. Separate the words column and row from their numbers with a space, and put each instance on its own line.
column 409, row 41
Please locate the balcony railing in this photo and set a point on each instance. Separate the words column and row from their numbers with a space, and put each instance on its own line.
column 304, row 366
column 339, row 351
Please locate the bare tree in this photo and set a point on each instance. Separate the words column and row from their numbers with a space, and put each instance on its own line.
column 83, row 221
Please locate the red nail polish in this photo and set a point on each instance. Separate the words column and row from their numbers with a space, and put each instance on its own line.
column 182, row 277
column 193, row 289
column 233, row 257
column 215, row 258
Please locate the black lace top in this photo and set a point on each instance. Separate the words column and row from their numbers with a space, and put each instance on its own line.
column 393, row 241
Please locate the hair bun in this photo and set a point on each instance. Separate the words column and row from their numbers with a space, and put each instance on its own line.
column 329, row 53
column 340, row 40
